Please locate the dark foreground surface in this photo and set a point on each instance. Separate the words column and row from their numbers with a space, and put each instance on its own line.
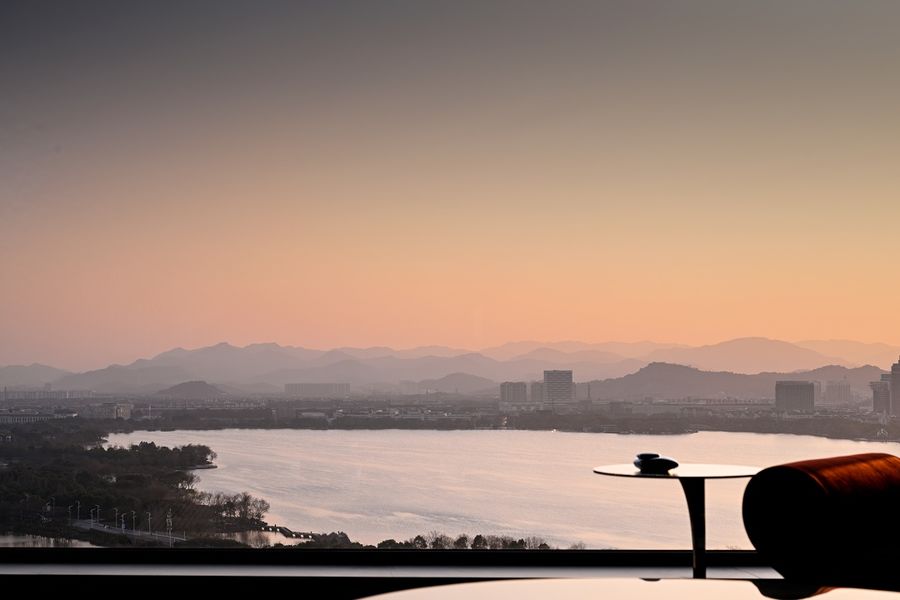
column 338, row 573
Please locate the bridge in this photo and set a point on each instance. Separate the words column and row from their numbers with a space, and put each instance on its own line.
column 303, row 535
column 134, row 534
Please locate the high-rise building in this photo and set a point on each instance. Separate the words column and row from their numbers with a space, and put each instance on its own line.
column 514, row 392
column 795, row 395
column 559, row 388
column 895, row 388
column 881, row 394
column 837, row 393
column 537, row 392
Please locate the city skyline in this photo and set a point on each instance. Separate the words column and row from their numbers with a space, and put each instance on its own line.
column 462, row 174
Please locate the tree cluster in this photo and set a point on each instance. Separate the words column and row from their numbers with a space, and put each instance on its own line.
column 53, row 474
column 439, row 541
column 243, row 509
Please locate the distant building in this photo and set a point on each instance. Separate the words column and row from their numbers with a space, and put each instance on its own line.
column 559, row 389
column 21, row 395
column 837, row 393
column 817, row 396
column 317, row 390
column 537, row 392
column 795, row 395
column 895, row 388
column 881, row 395
column 108, row 410
column 17, row 417
column 409, row 388
column 284, row 411
column 514, row 392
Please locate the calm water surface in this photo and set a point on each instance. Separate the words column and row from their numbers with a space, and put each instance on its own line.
column 14, row 540
column 375, row 485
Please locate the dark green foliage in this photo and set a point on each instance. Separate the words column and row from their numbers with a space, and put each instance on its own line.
column 434, row 541
column 50, row 468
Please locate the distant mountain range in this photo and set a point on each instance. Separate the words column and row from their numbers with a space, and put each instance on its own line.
column 34, row 375
column 748, row 355
column 660, row 381
column 856, row 352
column 265, row 368
column 192, row 389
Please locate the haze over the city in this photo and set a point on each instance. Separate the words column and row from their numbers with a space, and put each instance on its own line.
column 462, row 174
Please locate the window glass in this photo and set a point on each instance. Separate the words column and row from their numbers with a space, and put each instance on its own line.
column 403, row 275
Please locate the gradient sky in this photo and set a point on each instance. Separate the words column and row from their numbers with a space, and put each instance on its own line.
column 462, row 173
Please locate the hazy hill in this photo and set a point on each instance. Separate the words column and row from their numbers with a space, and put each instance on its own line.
column 124, row 380
column 669, row 381
column 533, row 369
column 372, row 352
column 265, row 368
column 880, row 355
column 421, row 351
column 622, row 349
column 859, row 377
column 383, row 369
column 747, row 355
column 461, row 383
column 344, row 371
column 224, row 362
column 192, row 389
column 249, row 389
column 33, row 375
column 552, row 355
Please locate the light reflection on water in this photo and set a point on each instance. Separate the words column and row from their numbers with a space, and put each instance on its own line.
column 376, row 485
column 259, row 539
column 11, row 540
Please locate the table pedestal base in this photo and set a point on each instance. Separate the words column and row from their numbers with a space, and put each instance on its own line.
column 695, row 494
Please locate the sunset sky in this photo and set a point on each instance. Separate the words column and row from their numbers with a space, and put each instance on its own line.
column 462, row 173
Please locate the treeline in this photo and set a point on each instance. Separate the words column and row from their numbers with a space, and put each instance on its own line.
column 440, row 541
column 752, row 421
column 432, row 541
column 823, row 426
column 148, row 453
column 240, row 509
column 53, row 474
column 212, row 420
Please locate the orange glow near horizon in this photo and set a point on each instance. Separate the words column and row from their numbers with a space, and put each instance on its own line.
column 665, row 194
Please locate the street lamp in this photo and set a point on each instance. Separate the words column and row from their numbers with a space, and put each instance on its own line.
column 77, row 510
column 133, row 520
column 149, row 529
column 116, row 518
column 169, row 526
column 97, row 506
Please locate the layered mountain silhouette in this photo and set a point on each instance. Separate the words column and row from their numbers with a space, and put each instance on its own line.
column 857, row 352
column 192, row 389
column 661, row 381
column 34, row 375
column 748, row 355
column 265, row 368
column 459, row 383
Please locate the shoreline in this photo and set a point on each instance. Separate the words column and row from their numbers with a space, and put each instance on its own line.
column 685, row 431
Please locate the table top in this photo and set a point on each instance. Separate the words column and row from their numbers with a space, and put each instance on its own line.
column 630, row 589
column 682, row 471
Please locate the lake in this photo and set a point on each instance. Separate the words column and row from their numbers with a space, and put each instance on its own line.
column 380, row 484
column 15, row 540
